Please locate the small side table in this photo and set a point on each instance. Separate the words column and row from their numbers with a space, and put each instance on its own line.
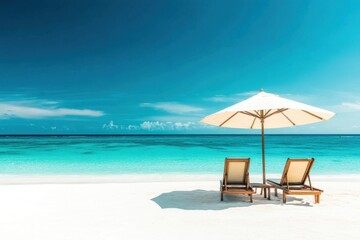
column 264, row 187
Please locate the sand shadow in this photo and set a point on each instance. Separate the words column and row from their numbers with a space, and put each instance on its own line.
column 210, row 200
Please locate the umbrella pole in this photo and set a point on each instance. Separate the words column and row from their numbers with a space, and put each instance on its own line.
column 263, row 148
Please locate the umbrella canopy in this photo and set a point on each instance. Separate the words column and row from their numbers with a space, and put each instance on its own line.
column 266, row 110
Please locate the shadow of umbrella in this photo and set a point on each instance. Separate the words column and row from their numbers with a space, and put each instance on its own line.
column 197, row 200
column 210, row 200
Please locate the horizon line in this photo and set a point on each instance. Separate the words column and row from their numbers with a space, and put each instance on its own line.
column 179, row 134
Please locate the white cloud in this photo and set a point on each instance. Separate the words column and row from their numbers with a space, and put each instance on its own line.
column 351, row 106
column 248, row 94
column 20, row 110
column 345, row 107
column 132, row 127
column 154, row 125
column 111, row 125
column 232, row 97
column 172, row 107
column 219, row 98
column 157, row 125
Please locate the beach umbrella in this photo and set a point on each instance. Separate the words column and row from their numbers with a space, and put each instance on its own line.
column 266, row 110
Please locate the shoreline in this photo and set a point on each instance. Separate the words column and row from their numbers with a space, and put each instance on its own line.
column 180, row 134
column 7, row 179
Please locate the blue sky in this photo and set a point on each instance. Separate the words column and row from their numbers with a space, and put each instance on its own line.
column 160, row 66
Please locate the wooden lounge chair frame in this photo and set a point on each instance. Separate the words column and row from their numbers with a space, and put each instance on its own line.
column 229, row 186
column 299, row 187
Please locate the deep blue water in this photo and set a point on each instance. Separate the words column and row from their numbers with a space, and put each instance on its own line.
column 334, row 154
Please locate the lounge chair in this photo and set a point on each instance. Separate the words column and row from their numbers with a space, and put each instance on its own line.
column 293, row 179
column 236, row 177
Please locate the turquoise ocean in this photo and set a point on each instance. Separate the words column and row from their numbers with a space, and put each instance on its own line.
column 172, row 154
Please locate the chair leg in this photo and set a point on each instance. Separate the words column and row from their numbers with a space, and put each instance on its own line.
column 276, row 192
column 251, row 200
column 265, row 193
column 222, row 196
column 284, row 197
column 317, row 199
column 261, row 190
column 269, row 194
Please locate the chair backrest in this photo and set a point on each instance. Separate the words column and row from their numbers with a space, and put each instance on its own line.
column 296, row 171
column 236, row 171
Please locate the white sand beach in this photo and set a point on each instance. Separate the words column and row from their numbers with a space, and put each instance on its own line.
column 170, row 208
